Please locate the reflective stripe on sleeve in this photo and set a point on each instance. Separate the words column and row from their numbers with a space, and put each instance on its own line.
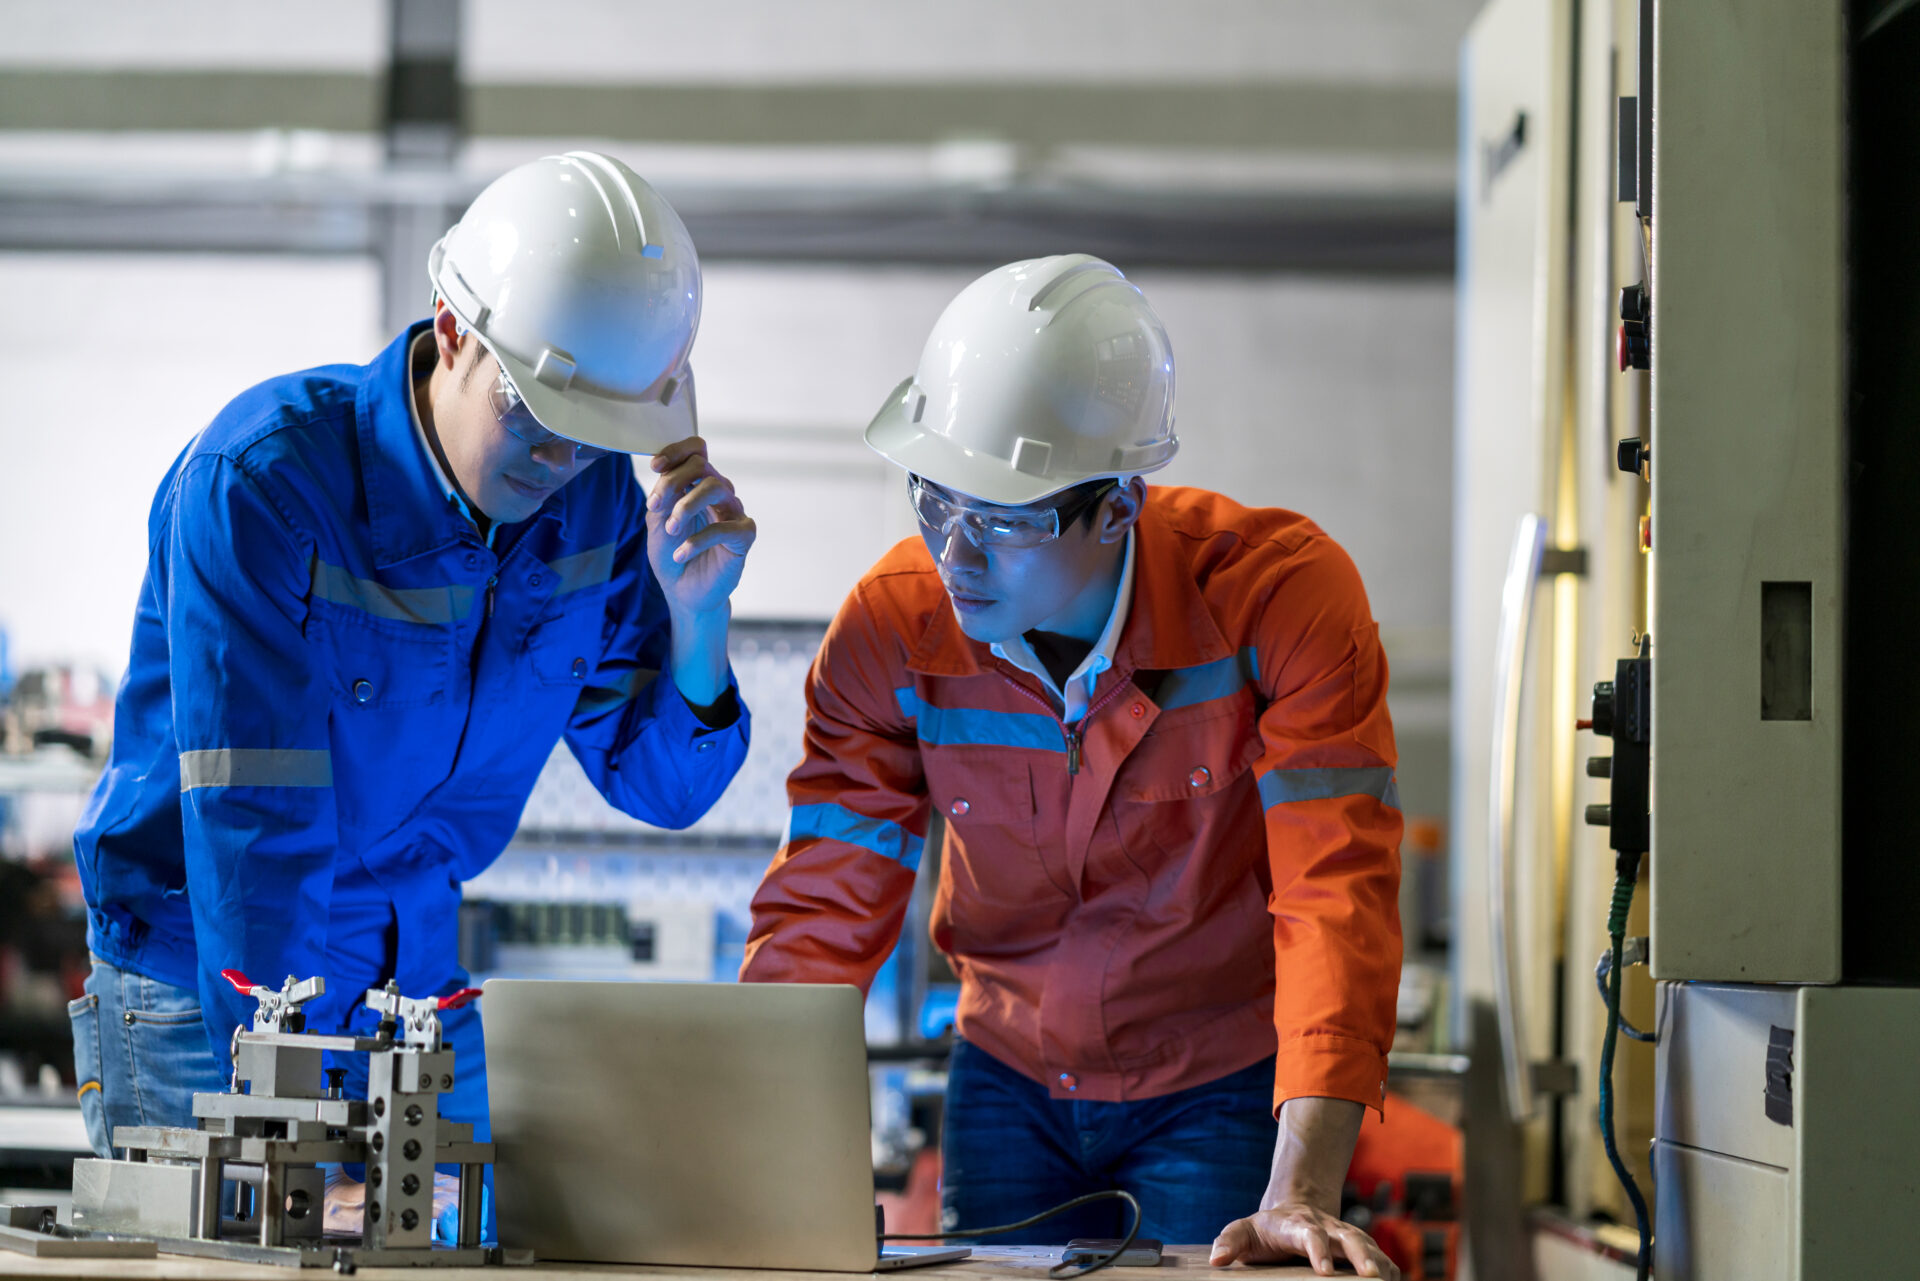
column 1185, row 686
column 835, row 822
column 977, row 727
column 584, row 569
column 430, row 605
column 1283, row 786
column 619, row 687
column 255, row 767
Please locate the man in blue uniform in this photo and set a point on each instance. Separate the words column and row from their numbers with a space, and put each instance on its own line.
column 376, row 597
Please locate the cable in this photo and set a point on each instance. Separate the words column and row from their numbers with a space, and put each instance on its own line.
column 1600, row 972
column 1627, row 871
column 1058, row 1271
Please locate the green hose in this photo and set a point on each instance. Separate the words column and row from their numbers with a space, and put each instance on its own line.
column 1627, row 873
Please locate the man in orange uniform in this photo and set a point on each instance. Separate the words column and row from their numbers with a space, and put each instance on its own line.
column 1155, row 723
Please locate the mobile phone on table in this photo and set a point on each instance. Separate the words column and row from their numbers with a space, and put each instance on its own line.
column 1143, row 1253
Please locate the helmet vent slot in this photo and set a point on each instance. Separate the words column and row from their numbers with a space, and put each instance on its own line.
column 1032, row 456
column 554, row 369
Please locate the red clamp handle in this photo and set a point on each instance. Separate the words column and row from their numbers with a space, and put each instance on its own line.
column 465, row 996
column 241, row 983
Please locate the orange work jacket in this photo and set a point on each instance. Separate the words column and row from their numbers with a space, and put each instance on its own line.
column 1217, row 875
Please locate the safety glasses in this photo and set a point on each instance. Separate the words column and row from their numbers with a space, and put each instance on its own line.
column 518, row 421
column 997, row 527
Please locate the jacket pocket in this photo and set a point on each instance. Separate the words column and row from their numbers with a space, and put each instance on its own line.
column 380, row 667
column 1188, row 793
column 1183, row 759
column 565, row 648
column 996, row 891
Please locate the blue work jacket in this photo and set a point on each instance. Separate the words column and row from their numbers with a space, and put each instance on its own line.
column 339, row 698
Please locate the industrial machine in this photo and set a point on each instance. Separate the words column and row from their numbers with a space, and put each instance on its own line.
column 283, row 1118
column 1690, row 307
column 1789, row 990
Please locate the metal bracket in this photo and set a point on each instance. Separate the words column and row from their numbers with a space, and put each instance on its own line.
column 1563, row 560
column 1555, row 1077
column 32, row 1230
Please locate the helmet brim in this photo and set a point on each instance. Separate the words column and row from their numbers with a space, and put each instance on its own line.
column 607, row 422
column 896, row 437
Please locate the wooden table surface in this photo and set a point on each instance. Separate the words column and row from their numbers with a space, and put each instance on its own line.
column 1022, row 1263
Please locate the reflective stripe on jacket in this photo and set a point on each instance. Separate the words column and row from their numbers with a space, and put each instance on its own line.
column 339, row 697
column 1219, row 877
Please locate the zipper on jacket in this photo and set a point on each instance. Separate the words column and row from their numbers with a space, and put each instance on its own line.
column 491, row 581
column 1071, row 733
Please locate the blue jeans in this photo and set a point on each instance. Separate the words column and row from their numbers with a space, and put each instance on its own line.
column 140, row 1053
column 1196, row 1159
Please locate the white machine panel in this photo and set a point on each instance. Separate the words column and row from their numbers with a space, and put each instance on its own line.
column 1713, row 1069
column 1748, row 446
column 1736, row 1224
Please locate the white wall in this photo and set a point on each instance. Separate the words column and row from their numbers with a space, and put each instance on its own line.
column 882, row 40
column 111, row 363
column 319, row 35
column 1374, row 41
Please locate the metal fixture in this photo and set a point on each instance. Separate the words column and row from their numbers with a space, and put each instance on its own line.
column 270, row 1132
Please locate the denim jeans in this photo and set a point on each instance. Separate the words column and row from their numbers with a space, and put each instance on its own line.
column 140, row 1053
column 1196, row 1159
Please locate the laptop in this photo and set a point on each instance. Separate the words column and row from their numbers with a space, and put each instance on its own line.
column 704, row 1124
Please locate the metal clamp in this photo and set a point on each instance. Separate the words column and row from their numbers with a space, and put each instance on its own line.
column 279, row 1011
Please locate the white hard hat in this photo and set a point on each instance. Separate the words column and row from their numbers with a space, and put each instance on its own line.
column 1039, row 376
column 583, row 282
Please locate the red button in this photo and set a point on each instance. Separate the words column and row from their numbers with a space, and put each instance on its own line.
column 1069, row 1082
column 1199, row 777
column 959, row 806
column 1139, row 710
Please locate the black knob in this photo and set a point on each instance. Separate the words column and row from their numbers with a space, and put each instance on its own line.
column 1634, row 458
column 1599, row 767
column 1599, row 816
column 1603, row 708
column 1635, row 348
column 1634, row 303
column 336, row 1082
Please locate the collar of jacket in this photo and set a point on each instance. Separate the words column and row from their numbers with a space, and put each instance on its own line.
column 409, row 514
column 1169, row 626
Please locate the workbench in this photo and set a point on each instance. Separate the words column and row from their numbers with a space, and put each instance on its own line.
column 1014, row 1263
